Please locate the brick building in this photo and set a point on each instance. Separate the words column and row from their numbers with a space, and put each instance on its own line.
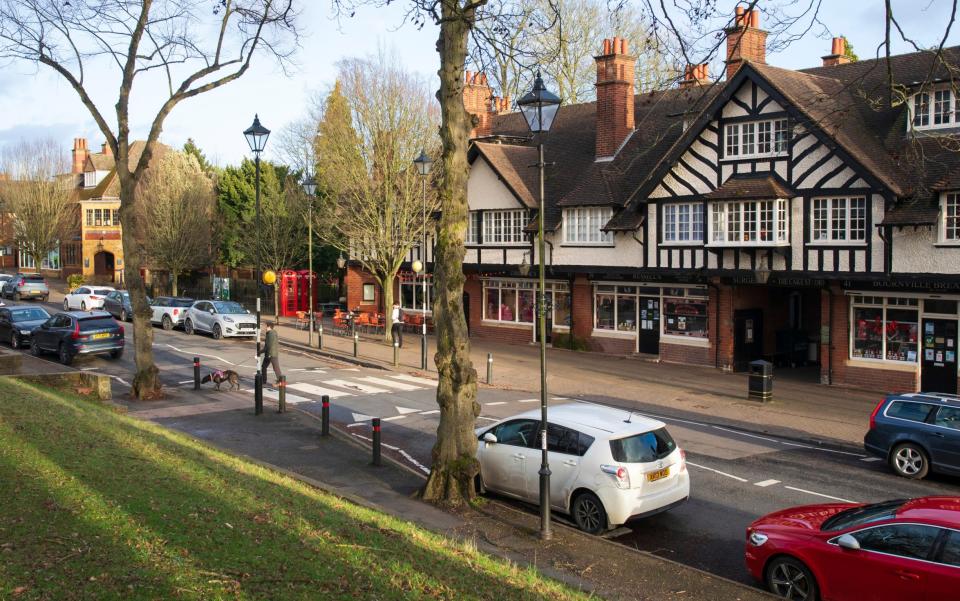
column 795, row 216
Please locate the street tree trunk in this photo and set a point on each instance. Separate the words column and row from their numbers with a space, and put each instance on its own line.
column 454, row 466
column 386, row 284
column 173, row 284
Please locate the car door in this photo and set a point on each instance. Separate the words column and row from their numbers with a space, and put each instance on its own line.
column 564, row 458
column 946, row 583
column 156, row 308
column 47, row 336
column 892, row 564
column 945, row 438
column 111, row 303
column 5, row 326
column 503, row 463
column 77, row 297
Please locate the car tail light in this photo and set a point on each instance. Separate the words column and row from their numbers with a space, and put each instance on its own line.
column 76, row 331
column 683, row 460
column 121, row 336
column 620, row 474
column 177, row 312
column 92, row 297
column 873, row 416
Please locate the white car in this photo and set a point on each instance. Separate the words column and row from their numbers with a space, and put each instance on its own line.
column 220, row 318
column 608, row 466
column 86, row 298
column 169, row 311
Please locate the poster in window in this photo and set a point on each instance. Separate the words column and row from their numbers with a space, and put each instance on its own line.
column 951, row 357
column 928, row 354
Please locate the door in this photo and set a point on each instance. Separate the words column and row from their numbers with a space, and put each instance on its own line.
column 947, row 581
column 649, row 320
column 938, row 368
column 945, row 438
column 156, row 308
column 503, row 463
column 747, row 337
column 201, row 316
column 563, row 453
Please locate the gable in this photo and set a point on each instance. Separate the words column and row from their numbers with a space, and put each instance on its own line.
column 486, row 190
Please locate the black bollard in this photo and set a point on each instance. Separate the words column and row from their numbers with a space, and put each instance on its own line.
column 489, row 368
column 356, row 341
column 196, row 373
column 320, row 335
column 282, row 400
column 376, row 441
column 257, row 394
column 325, row 416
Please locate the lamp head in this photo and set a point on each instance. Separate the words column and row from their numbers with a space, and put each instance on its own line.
column 539, row 107
column 257, row 136
column 424, row 163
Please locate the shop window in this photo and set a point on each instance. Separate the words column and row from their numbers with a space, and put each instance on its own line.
column 561, row 308
column 685, row 317
column 411, row 294
column 509, row 301
column 369, row 293
column 885, row 329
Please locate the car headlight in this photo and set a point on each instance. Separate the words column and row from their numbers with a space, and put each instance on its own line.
column 24, row 332
column 228, row 319
column 757, row 538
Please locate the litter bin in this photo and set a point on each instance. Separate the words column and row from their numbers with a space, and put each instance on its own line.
column 760, row 383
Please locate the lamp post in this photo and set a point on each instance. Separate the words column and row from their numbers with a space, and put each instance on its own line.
column 257, row 136
column 539, row 108
column 310, row 187
column 423, row 163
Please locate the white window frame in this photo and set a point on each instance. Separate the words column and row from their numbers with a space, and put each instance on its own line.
column 909, row 303
column 89, row 179
column 933, row 108
column 473, row 227
column 747, row 139
column 950, row 218
column 417, row 287
column 503, row 227
column 581, row 226
column 675, row 230
column 730, row 221
column 835, row 215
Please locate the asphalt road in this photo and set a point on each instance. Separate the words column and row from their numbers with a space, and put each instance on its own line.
column 737, row 474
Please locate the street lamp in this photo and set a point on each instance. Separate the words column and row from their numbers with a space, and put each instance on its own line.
column 539, row 108
column 423, row 163
column 257, row 136
column 310, row 187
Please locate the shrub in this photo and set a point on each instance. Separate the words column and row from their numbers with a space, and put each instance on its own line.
column 569, row 341
column 75, row 280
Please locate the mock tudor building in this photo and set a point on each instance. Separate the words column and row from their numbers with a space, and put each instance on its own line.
column 796, row 216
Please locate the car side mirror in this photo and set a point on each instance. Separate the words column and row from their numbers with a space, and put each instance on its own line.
column 45, row 326
column 212, row 312
column 848, row 542
column 489, row 437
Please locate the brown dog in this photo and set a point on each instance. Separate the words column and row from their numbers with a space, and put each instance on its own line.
column 218, row 377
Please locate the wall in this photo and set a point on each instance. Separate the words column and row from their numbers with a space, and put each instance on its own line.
column 914, row 251
column 353, row 281
column 485, row 189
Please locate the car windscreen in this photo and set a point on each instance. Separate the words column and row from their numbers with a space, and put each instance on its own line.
column 643, row 448
column 858, row 516
column 28, row 314
column 181, row 302
column 96, row 323
column 229, row 308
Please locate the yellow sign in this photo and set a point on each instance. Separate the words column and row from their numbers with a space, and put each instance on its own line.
column 269, row 277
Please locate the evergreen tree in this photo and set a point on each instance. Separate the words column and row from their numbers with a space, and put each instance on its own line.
column 191, row 148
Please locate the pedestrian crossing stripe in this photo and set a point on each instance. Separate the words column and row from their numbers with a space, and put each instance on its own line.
column 364, row 388
column 318, row 390
column 292, row 399
column 406, row 410
column 389, row 383
column 414, row 379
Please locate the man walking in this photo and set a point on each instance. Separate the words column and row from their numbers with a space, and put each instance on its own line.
column 396, row 330
column 271, row 353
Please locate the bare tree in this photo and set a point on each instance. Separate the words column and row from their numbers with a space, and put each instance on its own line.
column 193, row 46
column 370, row 135
column 177, row 207
column 38, row 192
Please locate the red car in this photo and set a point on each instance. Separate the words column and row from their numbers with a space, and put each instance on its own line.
column 891, row 551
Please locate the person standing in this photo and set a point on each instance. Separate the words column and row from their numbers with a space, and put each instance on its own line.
column 271, row 353
column 396, row 330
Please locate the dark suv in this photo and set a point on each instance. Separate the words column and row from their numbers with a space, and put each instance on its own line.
column 78, row 333
column 916, row 433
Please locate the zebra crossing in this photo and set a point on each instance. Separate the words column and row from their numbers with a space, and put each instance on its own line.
column 343, row 387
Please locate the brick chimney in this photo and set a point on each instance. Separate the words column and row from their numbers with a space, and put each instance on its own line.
column 695, row 75
column 105, row 149
column 615, row 96
column 838, row 53
column 480, row 102
column 79, row 154
column 745, row 41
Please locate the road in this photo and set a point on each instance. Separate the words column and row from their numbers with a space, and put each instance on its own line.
column 737, row 474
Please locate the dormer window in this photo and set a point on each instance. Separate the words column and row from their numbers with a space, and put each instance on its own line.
column 752, row 139
column 934, row 109
column 90, row 179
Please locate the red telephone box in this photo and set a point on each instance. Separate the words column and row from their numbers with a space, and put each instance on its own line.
column 304, row 281
column 288, row 293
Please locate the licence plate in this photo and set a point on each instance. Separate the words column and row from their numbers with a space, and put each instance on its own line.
column 101, row 336
column 658, row 475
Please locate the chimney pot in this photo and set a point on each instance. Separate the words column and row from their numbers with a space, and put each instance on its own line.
column 754, row 18
column 606, row 46
column 745, row 41
column 838, row 53
column 623, row 46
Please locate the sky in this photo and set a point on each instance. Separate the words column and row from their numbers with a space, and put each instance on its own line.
column 37, row 103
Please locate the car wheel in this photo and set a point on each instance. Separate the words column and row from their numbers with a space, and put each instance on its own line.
column 116, row 354
column 217, row 332
column 83, row 305
column 910, row 461
column 589, row 514
column 14, row 340
column 16, row 296
column 167, row 323
column 66, row 307
column 45, row 298
column 34, row 348
column 123, row 317
column 790, row 579
column 64, row 354
column 188, row 327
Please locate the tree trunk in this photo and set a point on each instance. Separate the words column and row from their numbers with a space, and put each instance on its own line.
column 173, row 287
column 454, row 466
column 146, row 382
column 386, row 285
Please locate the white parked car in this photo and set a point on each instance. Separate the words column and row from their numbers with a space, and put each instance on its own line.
column 220, row 318
column 608, row 466
column 170, row 311
column 86, row 298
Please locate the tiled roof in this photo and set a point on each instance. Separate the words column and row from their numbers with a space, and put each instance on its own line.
column 110, row 185
column 915, row 212
column 748, row 187
column 514, row 165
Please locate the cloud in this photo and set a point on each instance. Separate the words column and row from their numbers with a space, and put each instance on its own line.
column 64, row 133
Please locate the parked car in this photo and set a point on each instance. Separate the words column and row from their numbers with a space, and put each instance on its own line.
column 219, row 318
column 609, row 466
column 4, row 278
column 86, row 298
column 26, row 285
column 890, row 551
column 17, row 321
column 78, row 333
column 916, row 433
column 117, row 303
column 170, row 311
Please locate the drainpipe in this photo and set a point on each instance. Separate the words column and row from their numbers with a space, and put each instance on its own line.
column 830, row 337
column 716, row 331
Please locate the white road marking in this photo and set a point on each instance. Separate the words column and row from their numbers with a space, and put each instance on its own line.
column 434, row 411
column 766, row 483
column 710, row 469
column 819, row 494
column 415, row 380
column 396, row 417
column 389, row 383
column 312, row 389
column 419, row 465
column 363, row 417
column 356, row 424
column 365, row 389
column 501, row 403
column 221, row 359
column 530, row 401
column 293, row 399
column 191, row 382
column 867, row 459
column 406, row 410
column 94, row 368
column 125, row 383
column 785, row 442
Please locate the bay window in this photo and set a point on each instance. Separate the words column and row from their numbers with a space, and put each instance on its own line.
column 884, row 329
column 683, row 222
column 950, row 218
column 759, row 222
column 582, row 225
column 839, row 219
column 756, row 138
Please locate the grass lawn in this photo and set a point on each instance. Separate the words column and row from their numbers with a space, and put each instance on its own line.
column 96, row 505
